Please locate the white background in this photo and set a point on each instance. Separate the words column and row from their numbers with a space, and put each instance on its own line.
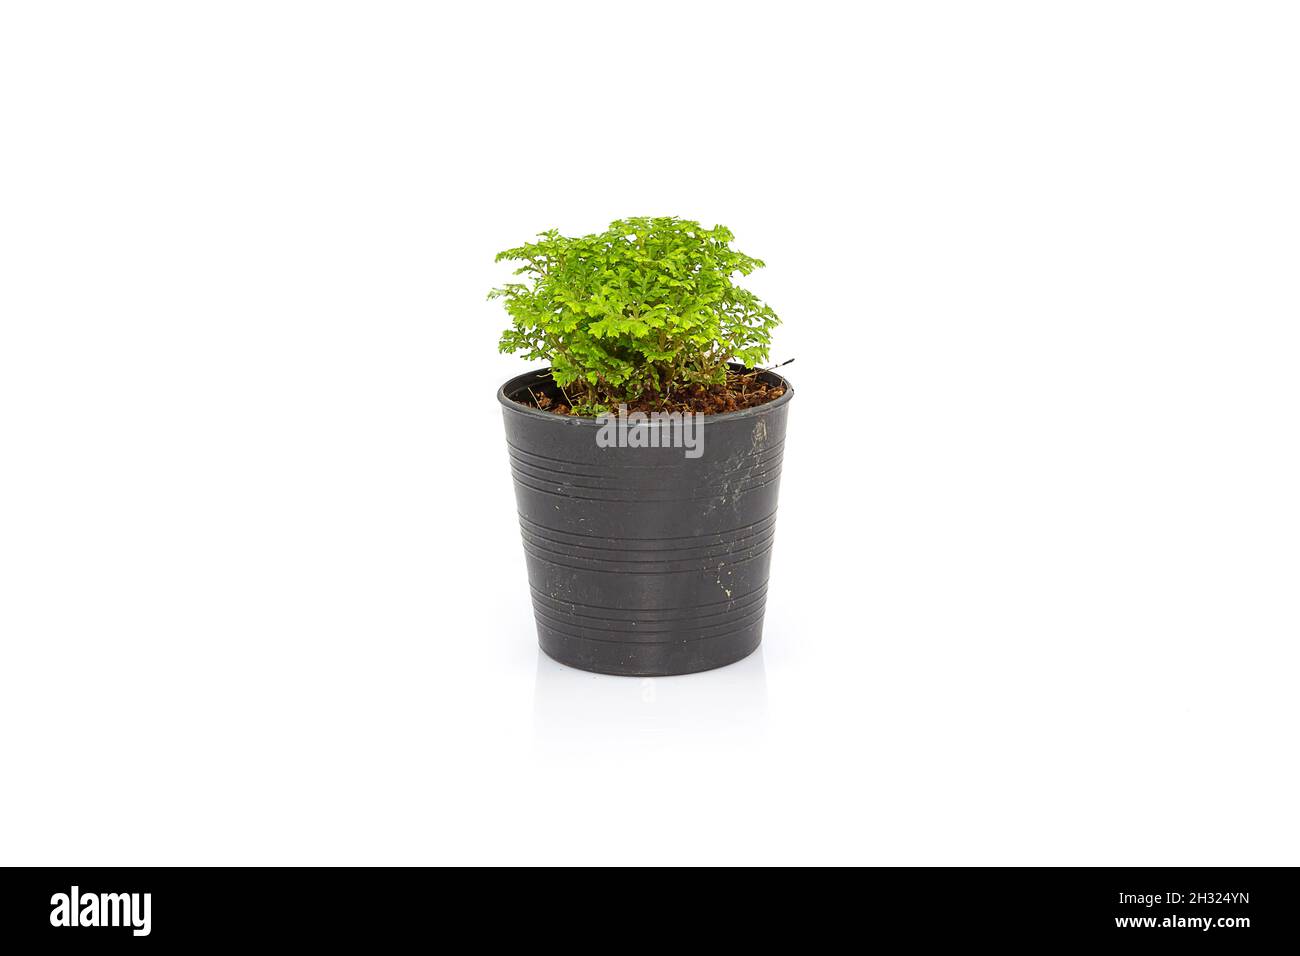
column 1034, row 596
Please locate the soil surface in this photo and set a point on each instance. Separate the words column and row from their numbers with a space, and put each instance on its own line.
column 741, row 390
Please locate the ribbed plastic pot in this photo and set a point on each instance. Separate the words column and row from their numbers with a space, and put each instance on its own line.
column 643, row 561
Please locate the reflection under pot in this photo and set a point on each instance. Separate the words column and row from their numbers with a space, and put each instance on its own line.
column 574, row 708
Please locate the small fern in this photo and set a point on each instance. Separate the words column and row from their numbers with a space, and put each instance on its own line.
column 645, row 308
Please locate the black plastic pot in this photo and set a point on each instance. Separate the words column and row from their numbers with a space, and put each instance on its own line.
column 643, row 561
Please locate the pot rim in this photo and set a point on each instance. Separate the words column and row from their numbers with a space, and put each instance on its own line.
column 519, row 381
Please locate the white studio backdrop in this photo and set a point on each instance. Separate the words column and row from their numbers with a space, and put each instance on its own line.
column 1033, row 599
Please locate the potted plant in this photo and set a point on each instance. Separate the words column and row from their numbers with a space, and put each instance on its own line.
column 647, row 454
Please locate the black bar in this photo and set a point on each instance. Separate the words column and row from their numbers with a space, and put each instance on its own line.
column 384, row 907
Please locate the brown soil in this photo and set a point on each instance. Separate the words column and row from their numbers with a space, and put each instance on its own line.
column 741, row 390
